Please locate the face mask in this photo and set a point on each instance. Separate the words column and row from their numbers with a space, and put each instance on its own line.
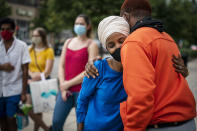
column 36, row 40
column 7, row 35
column 80, row 29
column 116, row 55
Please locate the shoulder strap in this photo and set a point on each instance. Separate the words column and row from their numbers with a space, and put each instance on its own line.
column 36, row 60
column 68, row 42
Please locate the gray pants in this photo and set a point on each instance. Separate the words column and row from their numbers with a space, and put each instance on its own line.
column 188, row 126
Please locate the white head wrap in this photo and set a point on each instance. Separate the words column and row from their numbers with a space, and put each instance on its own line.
column 110, row 25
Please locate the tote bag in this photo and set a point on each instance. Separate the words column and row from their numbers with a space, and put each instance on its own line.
column 43, row 95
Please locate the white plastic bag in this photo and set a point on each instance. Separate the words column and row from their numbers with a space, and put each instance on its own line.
column 43, row 95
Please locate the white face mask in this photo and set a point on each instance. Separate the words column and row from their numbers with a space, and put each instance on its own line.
column 36, row 40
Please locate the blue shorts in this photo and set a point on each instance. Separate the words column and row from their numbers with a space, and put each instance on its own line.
column 9, row 105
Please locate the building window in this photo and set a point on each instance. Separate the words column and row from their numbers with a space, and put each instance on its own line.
column 23, row 30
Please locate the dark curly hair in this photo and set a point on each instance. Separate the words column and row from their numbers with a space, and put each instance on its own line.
column 8, row 21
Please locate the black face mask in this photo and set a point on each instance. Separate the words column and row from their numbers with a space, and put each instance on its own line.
column 116, row 55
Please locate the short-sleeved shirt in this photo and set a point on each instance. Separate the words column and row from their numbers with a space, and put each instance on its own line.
column 98, row 104
column 17, row 55
column 41, row 57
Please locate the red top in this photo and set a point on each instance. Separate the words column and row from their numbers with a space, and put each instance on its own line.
column 75, row 61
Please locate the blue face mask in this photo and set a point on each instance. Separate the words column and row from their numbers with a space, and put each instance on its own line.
column 80, row 29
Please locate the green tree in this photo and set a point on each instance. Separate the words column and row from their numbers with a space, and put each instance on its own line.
column 42, row 17
column 5, row 10
column 60, row 14
column 178, row 17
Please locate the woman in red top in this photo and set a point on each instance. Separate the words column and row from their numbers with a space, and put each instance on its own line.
column 76, row 53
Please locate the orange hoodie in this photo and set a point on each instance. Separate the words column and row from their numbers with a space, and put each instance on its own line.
column 156, row 93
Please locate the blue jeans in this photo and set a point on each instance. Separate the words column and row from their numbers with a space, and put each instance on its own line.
column 62, row 109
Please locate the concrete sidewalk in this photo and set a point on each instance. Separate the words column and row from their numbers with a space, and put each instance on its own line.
column 70, row 124
column 192, row 79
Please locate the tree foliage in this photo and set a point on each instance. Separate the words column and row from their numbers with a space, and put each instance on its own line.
column 62, row 13
column 179, row 16
column 5, row 10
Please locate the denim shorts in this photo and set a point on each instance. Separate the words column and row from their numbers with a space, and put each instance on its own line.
column 9, row 105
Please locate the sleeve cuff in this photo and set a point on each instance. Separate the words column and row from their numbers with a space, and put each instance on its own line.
column 80, row 117
column 26, row 61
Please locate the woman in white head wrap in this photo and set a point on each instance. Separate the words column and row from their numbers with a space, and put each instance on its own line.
column 111, row 25
column 100, row 97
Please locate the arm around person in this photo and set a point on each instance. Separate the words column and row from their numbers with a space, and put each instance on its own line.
column 180, row 67
column 178, row 64
column 88, row 89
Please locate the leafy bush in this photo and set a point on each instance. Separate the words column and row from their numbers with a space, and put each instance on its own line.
column 190, row 53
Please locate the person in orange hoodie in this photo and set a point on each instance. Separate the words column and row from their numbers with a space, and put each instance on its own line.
column 159, row 99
